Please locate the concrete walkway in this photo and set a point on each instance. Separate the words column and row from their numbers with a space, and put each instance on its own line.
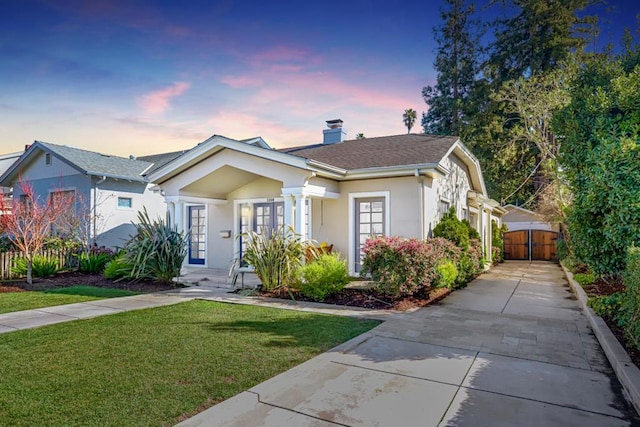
column 512, row 349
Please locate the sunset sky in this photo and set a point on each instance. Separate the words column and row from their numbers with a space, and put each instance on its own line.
column 142, row 77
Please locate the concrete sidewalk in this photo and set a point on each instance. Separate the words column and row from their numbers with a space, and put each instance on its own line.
column 28, row 319
column 512, row 349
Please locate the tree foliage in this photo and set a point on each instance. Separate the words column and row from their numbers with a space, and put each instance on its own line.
column 457, row 64
column 601, row 158
column 409, row 118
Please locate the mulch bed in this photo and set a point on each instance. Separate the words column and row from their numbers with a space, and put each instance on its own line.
column 369, row 298
column 606, row 286
column 73, row 278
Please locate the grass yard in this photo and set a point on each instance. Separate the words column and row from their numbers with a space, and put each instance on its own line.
column 17, row 301
column 155, row 366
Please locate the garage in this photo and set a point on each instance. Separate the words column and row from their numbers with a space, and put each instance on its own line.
column 528, row 237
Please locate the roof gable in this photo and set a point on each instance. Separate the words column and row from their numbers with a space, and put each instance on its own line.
column 87, row 162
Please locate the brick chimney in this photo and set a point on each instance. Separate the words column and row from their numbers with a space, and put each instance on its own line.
column 335, row 133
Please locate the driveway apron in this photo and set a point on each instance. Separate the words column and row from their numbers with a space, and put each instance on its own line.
column 511, row 349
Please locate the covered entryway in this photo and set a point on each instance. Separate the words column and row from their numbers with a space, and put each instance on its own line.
column 535, row 245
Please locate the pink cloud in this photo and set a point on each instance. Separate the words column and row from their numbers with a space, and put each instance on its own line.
column 238, row 82
column 157, row 102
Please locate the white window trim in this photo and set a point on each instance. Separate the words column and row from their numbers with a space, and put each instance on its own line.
column 186, row 218
column 352, row 221
column 50, row 157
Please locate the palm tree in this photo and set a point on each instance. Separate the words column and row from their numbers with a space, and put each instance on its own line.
column 409, row 118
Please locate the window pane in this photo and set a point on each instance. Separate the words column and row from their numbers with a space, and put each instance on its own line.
column 365, row 228
column 124, row 202
column 377, row 206
column 376, row 217
column 365, row 207
column 365, row 217
column 376, row 229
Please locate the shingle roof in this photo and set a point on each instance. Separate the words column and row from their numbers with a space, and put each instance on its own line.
column 160, row 160
column 100, row 164
column 385, row 151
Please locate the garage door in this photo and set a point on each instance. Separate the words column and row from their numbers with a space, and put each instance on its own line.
column 538, row 245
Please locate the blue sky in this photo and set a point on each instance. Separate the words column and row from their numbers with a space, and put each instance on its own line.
column 141, row 77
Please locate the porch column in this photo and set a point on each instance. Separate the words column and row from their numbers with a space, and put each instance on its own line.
column 301, row 212
column 171, row 213
column 179, row 216
column 288, row 211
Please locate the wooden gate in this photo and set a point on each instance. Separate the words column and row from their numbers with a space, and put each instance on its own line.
column 543, row 245
column 516, row 245
column 537, row 245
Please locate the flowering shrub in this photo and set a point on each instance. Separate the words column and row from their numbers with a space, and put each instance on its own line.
column 400, row 266
column 407, row 266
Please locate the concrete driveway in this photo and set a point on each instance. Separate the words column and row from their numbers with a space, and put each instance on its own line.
column 512, row 349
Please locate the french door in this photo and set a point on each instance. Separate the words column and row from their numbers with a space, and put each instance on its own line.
column 197, row 239
column 263, row 217
column 369, row 222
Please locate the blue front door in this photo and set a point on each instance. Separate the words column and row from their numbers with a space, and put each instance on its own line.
column 197, row 240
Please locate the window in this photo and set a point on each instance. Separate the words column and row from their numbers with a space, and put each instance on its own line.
column 47, row 159
column 443, row 207
column 125, row 202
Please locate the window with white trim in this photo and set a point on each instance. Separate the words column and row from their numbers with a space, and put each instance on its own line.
column 125, row 203
column 47, row 159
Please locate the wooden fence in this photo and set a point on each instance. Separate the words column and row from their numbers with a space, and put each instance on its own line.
column 64, row 257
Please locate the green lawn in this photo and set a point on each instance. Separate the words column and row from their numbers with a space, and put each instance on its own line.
column 17, row 301
column 155, row 366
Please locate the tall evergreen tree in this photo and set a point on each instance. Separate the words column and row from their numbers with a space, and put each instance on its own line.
column 457, row 66
column 540, row 35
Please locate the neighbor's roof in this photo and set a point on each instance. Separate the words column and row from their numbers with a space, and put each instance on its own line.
column 6, row 160
column 88, row 162
column 384, row 151
column 160, row 160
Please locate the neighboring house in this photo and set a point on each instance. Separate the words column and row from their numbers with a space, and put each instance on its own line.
column 340, row 192
column 528, row 236
column 6, row 160
column 108, row 190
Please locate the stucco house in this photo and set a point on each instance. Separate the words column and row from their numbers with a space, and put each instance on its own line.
column 340, row 192
column 108, row 190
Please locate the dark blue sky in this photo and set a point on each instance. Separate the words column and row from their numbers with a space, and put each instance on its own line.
column 147, row 76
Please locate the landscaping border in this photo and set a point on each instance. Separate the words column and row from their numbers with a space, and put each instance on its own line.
column 627, row 372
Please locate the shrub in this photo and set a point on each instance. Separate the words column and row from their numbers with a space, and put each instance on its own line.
column 42, row 266
column 606, row 305
column 629, row 317
column 447, row 274
column 584, row 279
column 400, row 266
column 157, row 251
column 574, row 265
column 451, row 228
column 326, row 275
column 562, row 250
column 497, row 250
column 94, row 260
column 275, row 257
column 117, row 268
column 473, row 233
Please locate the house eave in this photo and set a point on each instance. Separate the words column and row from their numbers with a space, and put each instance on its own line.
column 434, row 170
